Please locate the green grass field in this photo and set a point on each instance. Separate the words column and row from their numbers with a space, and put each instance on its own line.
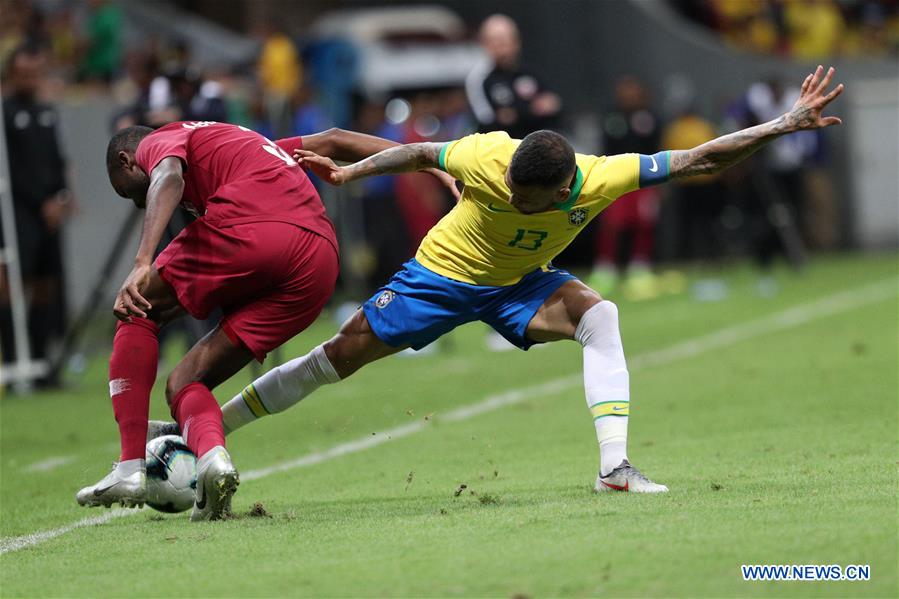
column 777, row 438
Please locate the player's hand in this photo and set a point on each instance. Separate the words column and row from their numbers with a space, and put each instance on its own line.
column 324, row 168
column 447, row 180
column 813, row 97
column 129, row 301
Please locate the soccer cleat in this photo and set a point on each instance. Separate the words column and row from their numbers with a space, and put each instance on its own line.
column 159, row 428
column 627, row 478
column 127, row 491
column 217, row 481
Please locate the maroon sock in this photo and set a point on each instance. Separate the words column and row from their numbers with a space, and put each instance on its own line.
column 132, row 372
column 200, row 418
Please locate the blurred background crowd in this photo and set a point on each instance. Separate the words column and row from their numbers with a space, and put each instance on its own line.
column 803, row 30
column 426, row 72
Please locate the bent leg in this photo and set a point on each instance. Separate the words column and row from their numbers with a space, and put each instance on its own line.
column 577, row 312
column 214, row 359
column 354, row 346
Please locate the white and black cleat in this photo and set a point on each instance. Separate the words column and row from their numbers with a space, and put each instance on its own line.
column 217, row 482
column 627, row 478
column 160, row 428
column 128, row 491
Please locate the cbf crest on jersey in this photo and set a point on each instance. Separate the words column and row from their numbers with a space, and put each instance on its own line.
column 577, row 217
column 385, row 298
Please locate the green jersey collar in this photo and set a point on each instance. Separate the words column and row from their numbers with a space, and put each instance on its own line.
column 575, row 191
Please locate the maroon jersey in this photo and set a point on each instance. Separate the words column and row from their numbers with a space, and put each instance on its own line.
column 233, row 175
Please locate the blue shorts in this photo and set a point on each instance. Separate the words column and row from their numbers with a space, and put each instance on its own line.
column 417, row 306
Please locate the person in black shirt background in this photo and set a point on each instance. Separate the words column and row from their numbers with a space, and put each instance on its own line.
column 502, row 94
column 41, row 199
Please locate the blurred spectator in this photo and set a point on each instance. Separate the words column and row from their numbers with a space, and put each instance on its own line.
column 308, row 114
column 455, row 118
column 103, row 54
column 179, row 92
column 626, row 230
column 806, row 29
column 768, row 189
column 697, row 203
column 420, row 197
column 333, row 63
column 786, row 158
column 504, row 95
column 815, row 28
column 41, row 198
column 387, row 241
column 141, row 68
column 280, row 74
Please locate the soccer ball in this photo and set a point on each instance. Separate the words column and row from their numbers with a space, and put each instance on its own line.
column 171, row 474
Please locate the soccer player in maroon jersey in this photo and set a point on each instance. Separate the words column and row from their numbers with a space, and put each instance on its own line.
column 262, row 250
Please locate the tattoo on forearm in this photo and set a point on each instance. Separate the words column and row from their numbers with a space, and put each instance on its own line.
column 728, row 150
column 401, row 159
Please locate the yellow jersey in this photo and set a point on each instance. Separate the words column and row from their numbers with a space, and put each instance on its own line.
column 485, row 241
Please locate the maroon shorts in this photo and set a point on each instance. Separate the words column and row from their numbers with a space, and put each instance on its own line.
column 271, row 279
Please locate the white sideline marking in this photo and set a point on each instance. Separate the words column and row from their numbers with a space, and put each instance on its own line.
column 49, row 463
column 16, row 543
column 786, row 319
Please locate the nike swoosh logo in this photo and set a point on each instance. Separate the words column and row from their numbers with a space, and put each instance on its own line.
column 492, row 208
column 655, row 165
column 201, row 503
column 617, row 487
column 618, row 409
column 99, row 491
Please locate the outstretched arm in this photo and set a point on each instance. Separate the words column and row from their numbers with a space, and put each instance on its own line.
column 399, row 159
column 345, row 146
column 725, row 151
column 350, row 146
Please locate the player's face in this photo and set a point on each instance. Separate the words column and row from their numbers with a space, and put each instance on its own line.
column 531, row 199
column 129, row 181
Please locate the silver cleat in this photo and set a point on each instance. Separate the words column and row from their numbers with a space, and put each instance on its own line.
column 127, row 491
column 627, row 478
column 217, row 481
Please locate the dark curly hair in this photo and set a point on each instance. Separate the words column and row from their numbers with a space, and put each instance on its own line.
column 544, row 159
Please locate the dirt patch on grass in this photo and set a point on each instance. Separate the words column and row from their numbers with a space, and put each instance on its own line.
column 488, row 499
column 258, row 511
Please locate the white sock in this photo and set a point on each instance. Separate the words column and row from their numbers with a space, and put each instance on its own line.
column 278, row 389
column 606, row 381
column 129, row 467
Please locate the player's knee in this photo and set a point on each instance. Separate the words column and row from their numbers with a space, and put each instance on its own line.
column 354, row 346
column 597, row 320
column 585, row 300
column 339, row 352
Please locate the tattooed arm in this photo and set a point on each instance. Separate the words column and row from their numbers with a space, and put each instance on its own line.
column 350, row 146
column 399, row 159
column 728, row 150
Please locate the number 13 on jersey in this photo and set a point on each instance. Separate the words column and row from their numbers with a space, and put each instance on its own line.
column 528, row 239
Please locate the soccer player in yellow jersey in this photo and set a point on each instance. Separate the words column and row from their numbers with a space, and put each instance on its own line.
column 489, row 259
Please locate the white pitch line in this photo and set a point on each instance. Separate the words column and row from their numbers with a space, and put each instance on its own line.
column 16, row 543
column 49, row 463
column 792, row 317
